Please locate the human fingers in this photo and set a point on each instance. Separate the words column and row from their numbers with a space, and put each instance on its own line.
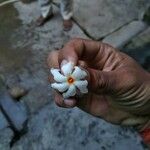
column 52, row 60
column 67, row 103
column 94, row 104
column 85, row 50
column 53, row 63
column 102, row 82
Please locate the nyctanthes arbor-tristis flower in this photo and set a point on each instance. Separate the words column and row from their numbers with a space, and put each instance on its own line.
column 69, row 79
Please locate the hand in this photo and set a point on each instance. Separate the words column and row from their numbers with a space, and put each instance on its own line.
column 119, row 89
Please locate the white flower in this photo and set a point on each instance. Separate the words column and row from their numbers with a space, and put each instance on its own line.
column 71, row 79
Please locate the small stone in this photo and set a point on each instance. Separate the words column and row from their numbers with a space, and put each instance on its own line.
column 16, row 112
column 17, row 92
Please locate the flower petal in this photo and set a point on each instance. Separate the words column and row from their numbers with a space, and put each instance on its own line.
column 82, row 86
column 58, row 76
column 61, row 87
column 67, row 69
column 71, row 92
column 78, row 73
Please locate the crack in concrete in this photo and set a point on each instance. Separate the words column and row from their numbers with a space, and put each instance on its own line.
column 90, row 36
column 119, row 28
column 17, row 135
column 83, row 30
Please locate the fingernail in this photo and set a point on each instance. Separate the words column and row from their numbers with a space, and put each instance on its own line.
column 69, row 102
column 63, row 62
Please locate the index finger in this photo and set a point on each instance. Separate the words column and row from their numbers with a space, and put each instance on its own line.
column 86, row 50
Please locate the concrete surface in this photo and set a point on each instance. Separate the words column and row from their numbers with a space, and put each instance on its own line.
column 23, row 52
column 102, row 17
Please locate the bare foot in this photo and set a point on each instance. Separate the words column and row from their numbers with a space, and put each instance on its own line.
column 41, row 20
column 67, row 24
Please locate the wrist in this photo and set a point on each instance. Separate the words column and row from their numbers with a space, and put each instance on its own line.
column 145, row 133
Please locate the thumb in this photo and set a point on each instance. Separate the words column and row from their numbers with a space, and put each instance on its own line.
column 101, row 81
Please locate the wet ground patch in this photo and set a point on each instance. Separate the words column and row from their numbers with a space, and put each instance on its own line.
column 10, row 58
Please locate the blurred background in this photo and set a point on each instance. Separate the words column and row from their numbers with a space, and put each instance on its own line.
column 29, row 119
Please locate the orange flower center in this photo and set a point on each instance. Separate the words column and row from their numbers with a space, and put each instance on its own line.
column 70, row 80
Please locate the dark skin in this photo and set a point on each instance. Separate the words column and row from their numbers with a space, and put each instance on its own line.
column 119, row 88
